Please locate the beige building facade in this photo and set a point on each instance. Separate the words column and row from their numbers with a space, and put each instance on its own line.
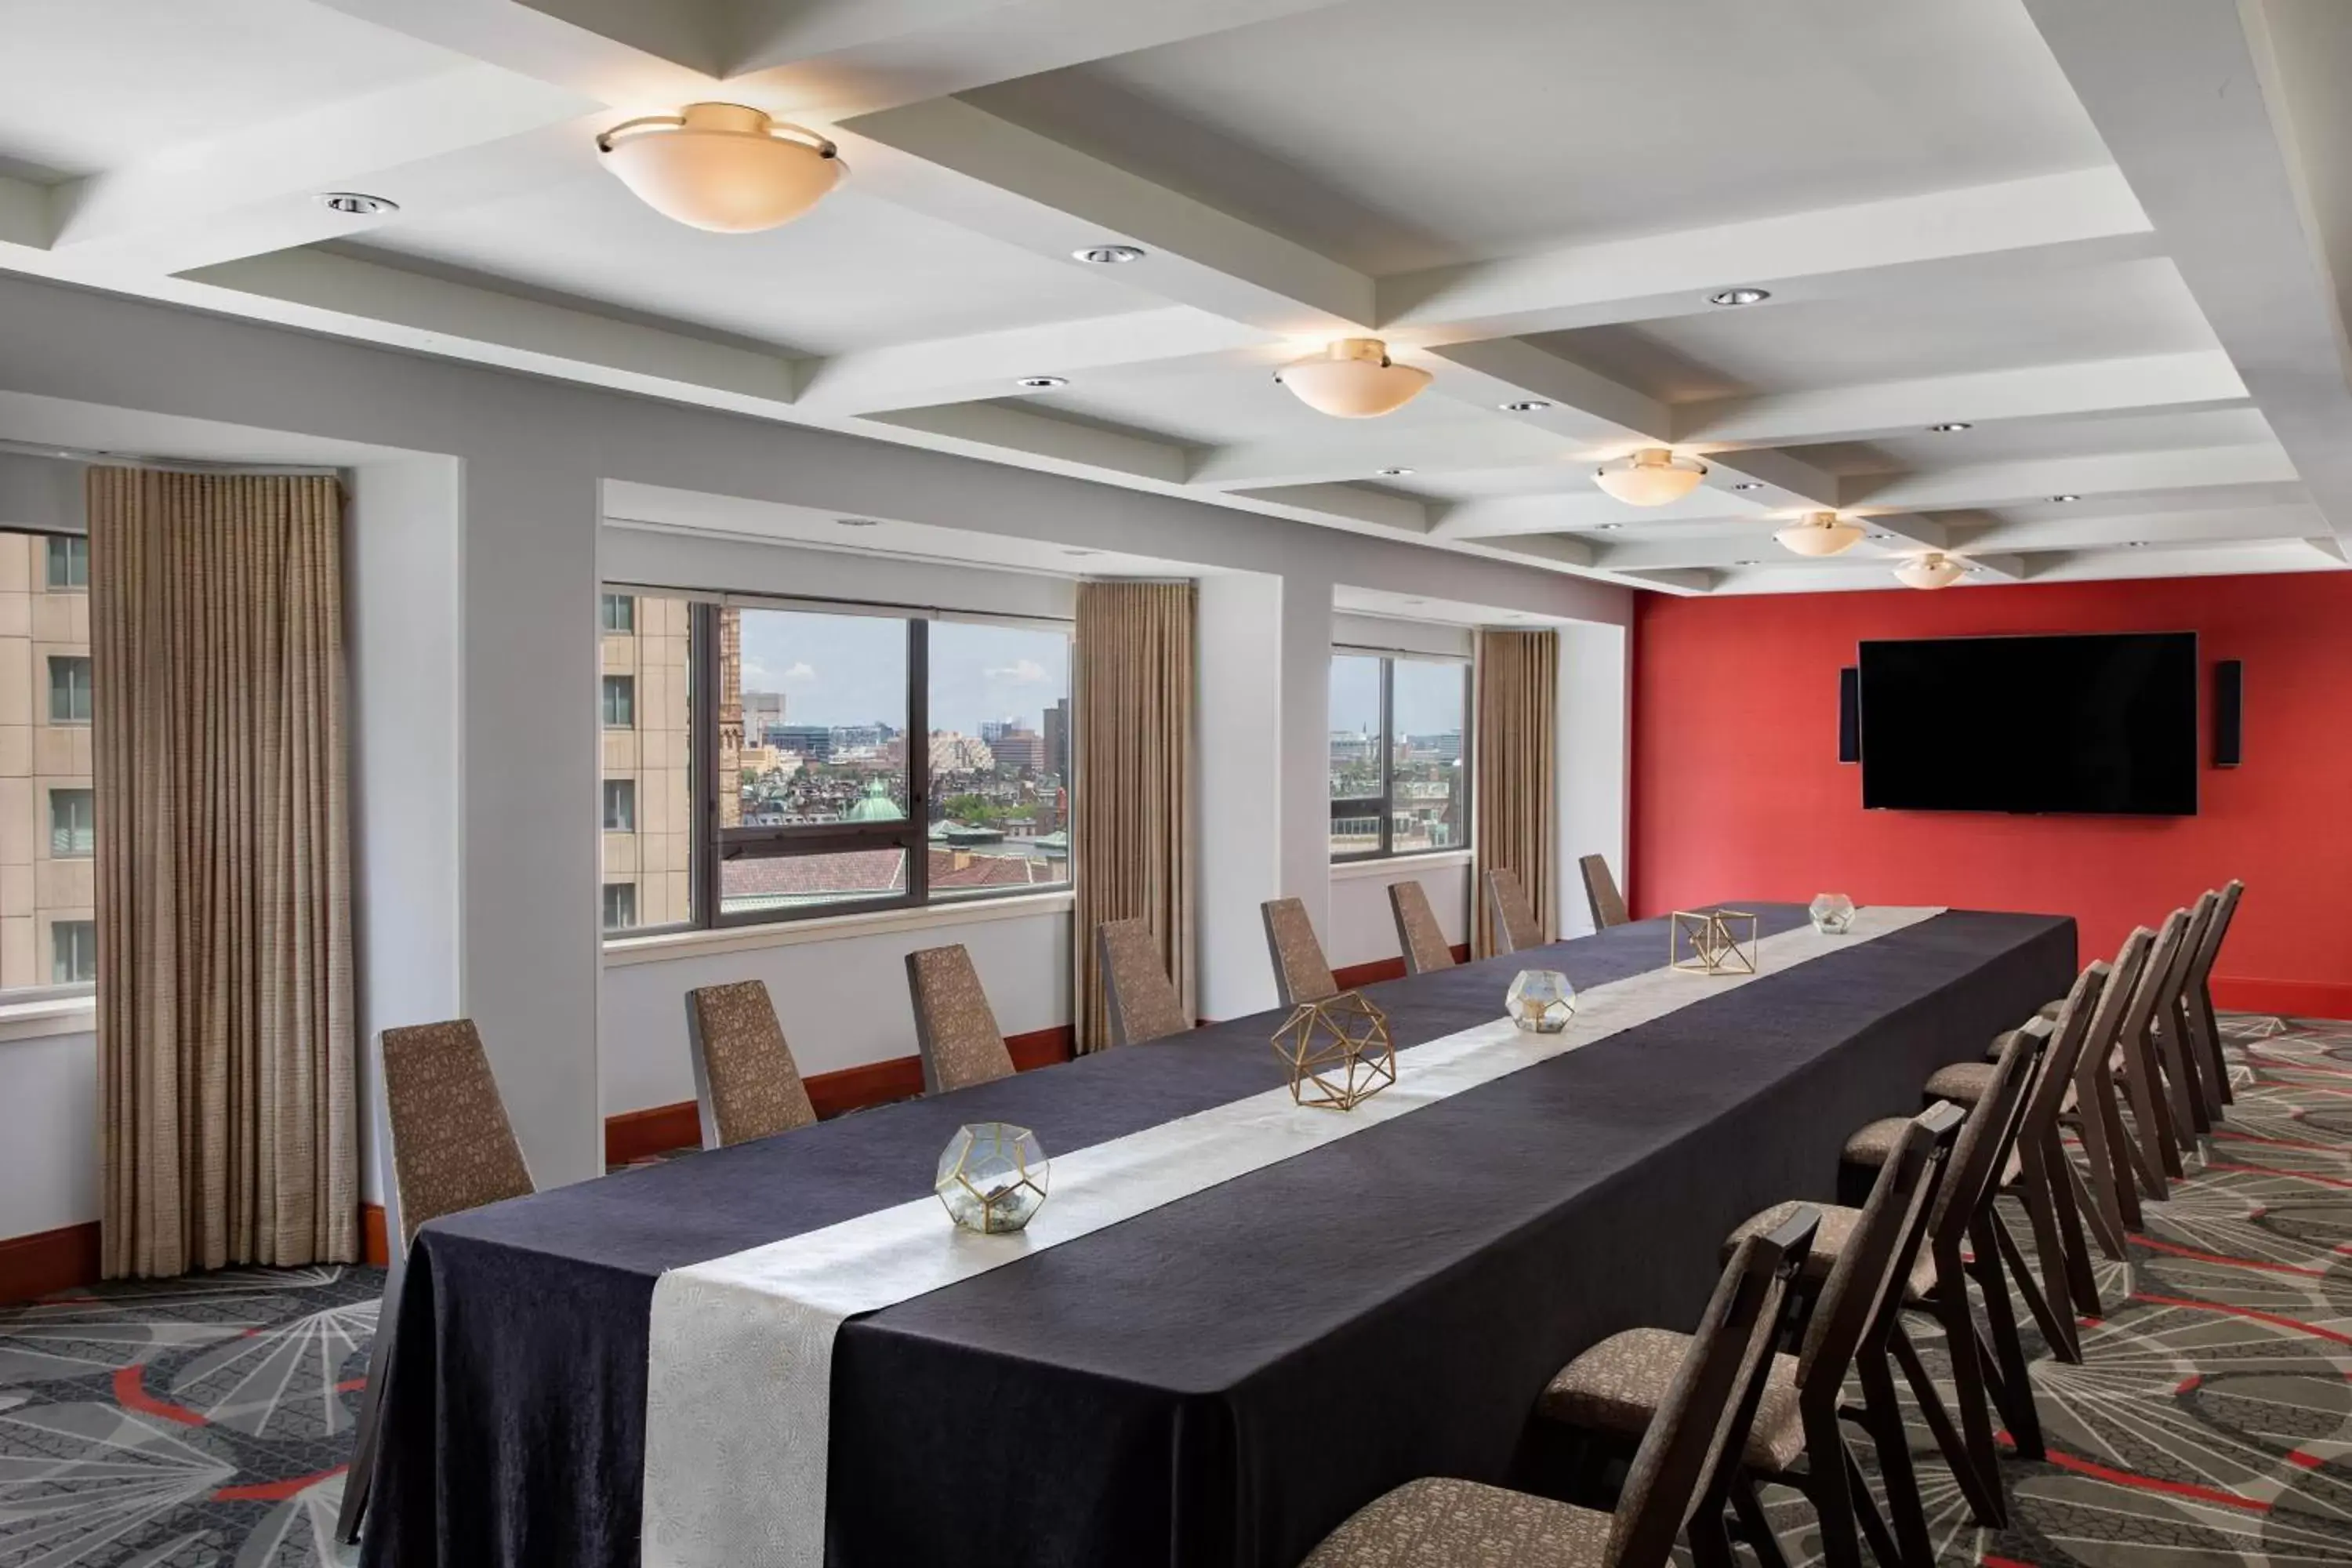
column 47, row 820
column 648, row 804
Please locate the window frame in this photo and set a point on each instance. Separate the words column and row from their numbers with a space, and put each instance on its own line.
column 712, row 845
column 88, row 693
column 57, row 927
column 87, row 829
column 630, row 785
column 625, row 684
column 605, row 892
column 1385, row 803
column 53, row 545
column 623, row 624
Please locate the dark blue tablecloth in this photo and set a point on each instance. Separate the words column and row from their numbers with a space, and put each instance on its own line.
column 1224, row 1379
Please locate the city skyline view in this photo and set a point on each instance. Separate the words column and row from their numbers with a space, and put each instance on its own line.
column 839, row 670
column 1428, row 695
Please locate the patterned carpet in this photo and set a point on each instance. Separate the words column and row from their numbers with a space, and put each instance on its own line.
column 203, row 1423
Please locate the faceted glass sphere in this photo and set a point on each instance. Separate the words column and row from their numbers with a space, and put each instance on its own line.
column 1540, row 1001
column 993, row 1177
column 1832, row 914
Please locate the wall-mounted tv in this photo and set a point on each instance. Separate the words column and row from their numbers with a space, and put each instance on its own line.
column 2104, row 725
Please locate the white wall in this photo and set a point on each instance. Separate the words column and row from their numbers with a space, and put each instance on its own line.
column 842, row 1001
column 1238, row 766
column 48, row 1158
column 1595, row 762
column 1362, row 927
column 82, row 369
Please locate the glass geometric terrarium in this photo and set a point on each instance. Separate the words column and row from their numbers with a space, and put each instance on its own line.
column 1540, row 1001
column 1832, row 914
column 993, row 1177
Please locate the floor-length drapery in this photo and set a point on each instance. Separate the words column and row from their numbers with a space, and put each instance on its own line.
column 1514, row 778
column 224, row 899
column 1131, row 807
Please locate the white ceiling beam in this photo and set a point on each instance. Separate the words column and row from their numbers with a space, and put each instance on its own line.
column 1062, row 445
column 1680, row 582
column 1379, row 508
column 985, row 174
column 1360, row 450
column 1585, row 510
column 2077, row 218
column 2123, row 530
column 990, row 365
column 2028, row 480
column 2202, row 379
column 2199, row 103
column 1585, row 406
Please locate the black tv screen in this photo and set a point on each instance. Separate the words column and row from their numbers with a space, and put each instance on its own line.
column 2087, row 724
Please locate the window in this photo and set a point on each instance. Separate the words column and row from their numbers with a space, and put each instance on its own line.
column 73, row 823
column 617, row 612
column 73, row 952
column 620, row 703
column 842, row 760
column 68, row 688
column 1400, row 764
column 620, row 806
column 620, row 905
column 68, row 563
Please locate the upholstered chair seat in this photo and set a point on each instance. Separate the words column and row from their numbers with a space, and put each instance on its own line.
column 1962, row 1083
column 1868, row 1147
column 955, row 1029
column 1829, row 1241
column 1444, row 1524
column 746, row 1084
column 1616, row 1386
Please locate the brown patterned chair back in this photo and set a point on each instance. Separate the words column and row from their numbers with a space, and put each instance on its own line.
column 1418, row 932
column 1301, row 974
column 746, row 1084
column 452, row 1146
column 1515, row 927
column 1138, row 997
column 1600, row 892
column 1715, row 1390
column 954, row 1025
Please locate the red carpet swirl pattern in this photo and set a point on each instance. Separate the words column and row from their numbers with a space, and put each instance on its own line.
column 204, row 1423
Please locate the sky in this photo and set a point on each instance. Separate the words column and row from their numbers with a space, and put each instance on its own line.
column 852, row 670
column 1429, row 695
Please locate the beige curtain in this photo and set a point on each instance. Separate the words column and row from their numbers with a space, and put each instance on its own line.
column 224, row 897
column 1515, row 776
column 1131, row 811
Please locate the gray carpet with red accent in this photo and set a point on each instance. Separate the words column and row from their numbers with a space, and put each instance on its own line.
column 206, row 1421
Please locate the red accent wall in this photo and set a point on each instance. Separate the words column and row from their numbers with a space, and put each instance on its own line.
column 1737, row 792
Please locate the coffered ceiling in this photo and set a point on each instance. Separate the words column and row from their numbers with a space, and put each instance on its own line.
column 2104, row 236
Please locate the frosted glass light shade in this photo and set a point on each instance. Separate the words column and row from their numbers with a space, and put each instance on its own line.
column 1353, row 379
column 1820, row 534
column 1933, row 570
column 722, row 167
column 1651, row 477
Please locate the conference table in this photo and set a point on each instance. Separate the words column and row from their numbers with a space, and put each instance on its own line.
column 1223, row 1377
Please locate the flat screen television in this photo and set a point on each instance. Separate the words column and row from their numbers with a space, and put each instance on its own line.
column 2097, row 725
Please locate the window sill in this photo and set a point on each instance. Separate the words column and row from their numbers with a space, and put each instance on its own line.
column 50, row 1016
column 669, row 945
column 1398, row 865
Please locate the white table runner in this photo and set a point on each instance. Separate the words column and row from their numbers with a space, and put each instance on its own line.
column 740, row 1380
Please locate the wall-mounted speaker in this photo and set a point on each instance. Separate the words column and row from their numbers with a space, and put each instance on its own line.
column 1849, row 715
column 2229, row 712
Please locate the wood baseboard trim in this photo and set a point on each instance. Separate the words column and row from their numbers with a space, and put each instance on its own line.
column 2286, row 998
column 657, row 1129
column 1381, row 969
column 373, row 1242
column 48, row 1261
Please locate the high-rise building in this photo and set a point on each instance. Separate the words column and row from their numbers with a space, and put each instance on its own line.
column 48, row 880
column 762, row 710
column 811, row 743
column 648, row 809
column 1057, row 740
column 1017, row 747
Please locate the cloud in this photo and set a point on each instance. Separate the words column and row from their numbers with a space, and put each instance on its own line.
column 798, row 673
column 1019, row 672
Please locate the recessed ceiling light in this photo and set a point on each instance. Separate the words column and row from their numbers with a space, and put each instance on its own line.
column 1739, row 296
column 2134, row 544
column 1082, row 553
column 2064, row 499
column 1108, row 254
column 352, row 204
column 1527, row 405
column 1043, row 383
column 1394, row 473
column 857, row 523
column 1607, row 527
column 1950, row 427
column 1880, row 538
column 1749, row 484
column 1747, row 563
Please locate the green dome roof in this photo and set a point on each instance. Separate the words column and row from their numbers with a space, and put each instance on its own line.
column 877, row 806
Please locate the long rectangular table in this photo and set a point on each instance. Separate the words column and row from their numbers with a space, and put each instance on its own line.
column 1223, row 1378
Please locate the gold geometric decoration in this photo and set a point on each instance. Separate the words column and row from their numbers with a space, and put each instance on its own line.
column 1540, row 1001
column 1712, row 942
column 991, row 1177
column 1338, row 1050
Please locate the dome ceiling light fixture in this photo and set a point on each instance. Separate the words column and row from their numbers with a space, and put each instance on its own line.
column 1933, row 570
column 1820, row 534
column 1651, row 477
column 1353, row 378
column 721, row 166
